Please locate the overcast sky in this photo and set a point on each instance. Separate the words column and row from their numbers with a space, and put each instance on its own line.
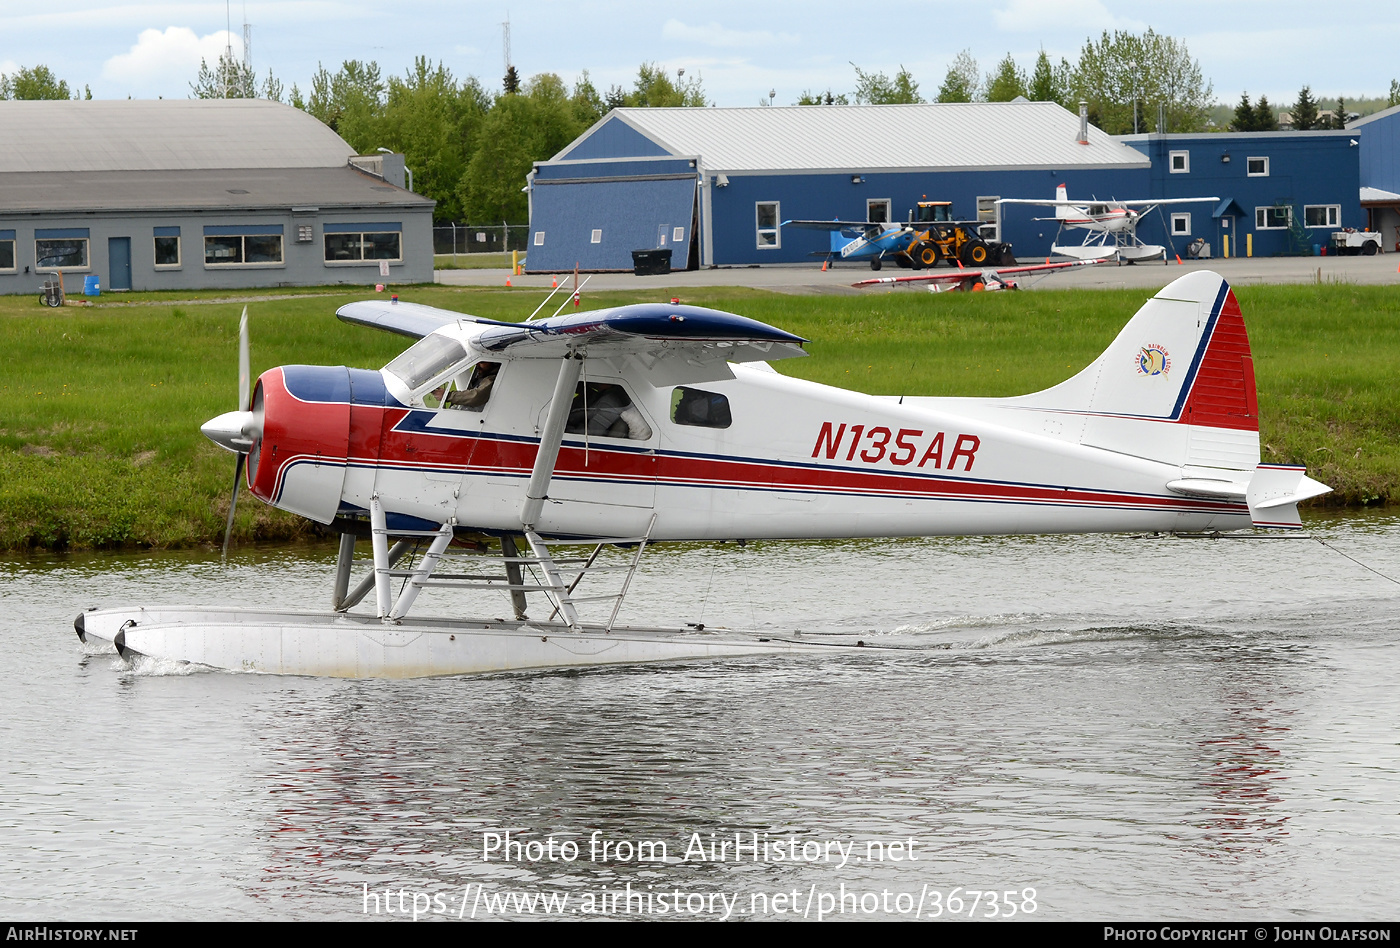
column 740, row 49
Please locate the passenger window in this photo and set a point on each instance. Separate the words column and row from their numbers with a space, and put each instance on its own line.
column 691, row 406
column 606, row 411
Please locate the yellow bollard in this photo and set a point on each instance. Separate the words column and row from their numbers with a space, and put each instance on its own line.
column 1225, row 246
column 1249, row 245
column 515, row 262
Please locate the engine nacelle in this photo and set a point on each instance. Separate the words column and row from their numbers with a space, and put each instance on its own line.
column 299, row 463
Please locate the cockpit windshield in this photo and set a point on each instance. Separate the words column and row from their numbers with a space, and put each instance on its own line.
column 425, row 359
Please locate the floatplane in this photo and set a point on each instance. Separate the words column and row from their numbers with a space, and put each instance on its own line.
column 623, row 427
column 1111, row 225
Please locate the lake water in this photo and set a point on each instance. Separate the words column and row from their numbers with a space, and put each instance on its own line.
column 1159, row 728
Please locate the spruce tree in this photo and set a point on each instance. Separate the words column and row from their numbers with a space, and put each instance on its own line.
column 1305, row 111
column 1264, row 118
column 1339, row 118
column 1244, row 115
column 511, row 82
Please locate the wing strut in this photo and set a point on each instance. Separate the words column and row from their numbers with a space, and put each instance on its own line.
column 550, row 438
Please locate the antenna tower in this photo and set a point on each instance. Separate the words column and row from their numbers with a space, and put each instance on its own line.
column 247, row 44
column 505, row 41
column 228, row 46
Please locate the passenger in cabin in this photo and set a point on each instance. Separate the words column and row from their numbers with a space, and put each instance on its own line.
column 701, row 409
column 478, row 391
column 609, row 413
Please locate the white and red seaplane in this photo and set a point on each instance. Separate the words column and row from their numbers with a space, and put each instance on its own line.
column 1111, row 225
column 655, row 422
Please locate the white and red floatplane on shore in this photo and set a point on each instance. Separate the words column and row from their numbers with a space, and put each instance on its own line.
column 664, row 422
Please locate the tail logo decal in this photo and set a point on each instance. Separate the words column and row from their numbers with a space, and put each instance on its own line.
column 1153, row 360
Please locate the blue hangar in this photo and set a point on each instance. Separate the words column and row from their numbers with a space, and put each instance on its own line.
column 713, row 185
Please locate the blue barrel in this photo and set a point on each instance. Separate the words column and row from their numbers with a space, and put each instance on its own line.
column 1317, row 250
column 92, row 285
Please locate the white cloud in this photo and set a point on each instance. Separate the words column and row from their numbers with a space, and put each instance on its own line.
column 160, row 59
column 8, row 66
column 1038, row 16
column 713, row 34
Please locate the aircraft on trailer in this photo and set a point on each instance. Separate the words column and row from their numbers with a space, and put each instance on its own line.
column 660, row 421
column 1111, row 225
column 989, row 280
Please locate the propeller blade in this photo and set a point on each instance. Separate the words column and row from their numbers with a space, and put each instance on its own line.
column 233, row 502
column 243, row 371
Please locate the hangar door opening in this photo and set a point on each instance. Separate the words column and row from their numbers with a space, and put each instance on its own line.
column 596, row 224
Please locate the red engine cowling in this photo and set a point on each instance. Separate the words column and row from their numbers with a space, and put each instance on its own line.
column 304, row 415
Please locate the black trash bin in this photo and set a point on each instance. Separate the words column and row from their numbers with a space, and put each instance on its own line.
column 651, row 262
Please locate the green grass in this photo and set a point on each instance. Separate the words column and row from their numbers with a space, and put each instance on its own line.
column 100, row 406
column 473, row 261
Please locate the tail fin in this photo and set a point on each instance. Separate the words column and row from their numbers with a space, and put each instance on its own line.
column 1061, row 194
column 1177, row 386
column 1184, row 359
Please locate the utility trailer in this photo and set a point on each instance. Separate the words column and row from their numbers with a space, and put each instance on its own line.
column 1352, row 242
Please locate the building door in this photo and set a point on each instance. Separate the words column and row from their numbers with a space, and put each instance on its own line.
column 119, row 263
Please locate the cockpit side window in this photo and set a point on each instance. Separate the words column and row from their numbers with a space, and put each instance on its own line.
column 473, row 392
column 606, row 410
column 701, row 409
column 430, row 356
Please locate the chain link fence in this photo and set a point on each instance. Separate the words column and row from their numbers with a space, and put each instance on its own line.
column 463, row 239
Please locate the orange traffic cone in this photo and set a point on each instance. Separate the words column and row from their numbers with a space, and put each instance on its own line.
column 823, row 266
column 507, row 281
column 554, row 284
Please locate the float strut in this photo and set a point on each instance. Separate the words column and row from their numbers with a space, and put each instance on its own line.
column 342, row 570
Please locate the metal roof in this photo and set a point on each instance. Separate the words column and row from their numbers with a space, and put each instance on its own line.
column 935, row 137
column 1379, row 196
column 163, row 135
column 215, row 189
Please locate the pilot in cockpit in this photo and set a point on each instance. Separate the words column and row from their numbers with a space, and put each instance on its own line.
column 477, row 391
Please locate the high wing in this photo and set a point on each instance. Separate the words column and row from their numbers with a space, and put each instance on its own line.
column 658, row 329
column 1155, row 201
column 960, row 276
column 855, row 227
column 405, row 319
column 1050, row 202
column 645, row 328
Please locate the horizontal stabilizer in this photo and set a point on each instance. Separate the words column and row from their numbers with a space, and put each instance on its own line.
column 407, row 319
column 1275, row 491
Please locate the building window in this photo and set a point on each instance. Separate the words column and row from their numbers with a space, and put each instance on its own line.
column 250, row 245
column 1273, row 218
column 353, row 243
column 1180, row 162
column 597, row 237
column 766, row 217
column 677, row 235
column 70, row 253
column 167, row 247
column 1256, row 167
column 1322, row 215
column 877, row 210
column 7, row 250
column 539, row 238
column 1181, row 224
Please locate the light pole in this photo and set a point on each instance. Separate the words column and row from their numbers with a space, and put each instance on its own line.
column 1132, row 66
